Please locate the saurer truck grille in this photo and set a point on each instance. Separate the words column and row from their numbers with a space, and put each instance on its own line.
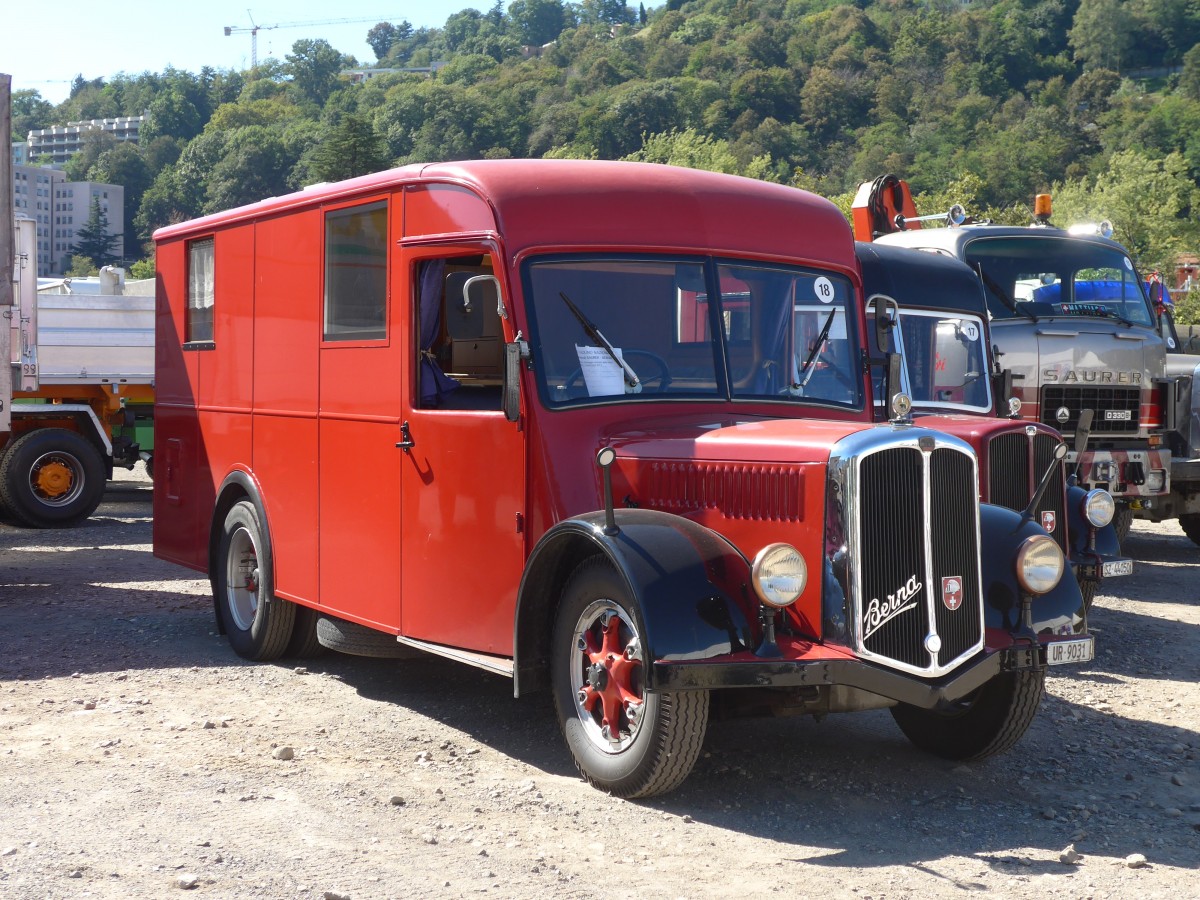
column 1015, row 463
column 1116, row 409
column 918, row 606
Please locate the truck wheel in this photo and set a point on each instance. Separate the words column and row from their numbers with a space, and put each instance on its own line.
column 1088, row 589
column 259, row 625
column 51, row 478
column 1190, row 523
column 359, row 640
column 989, row 720
column 304, row 643
column 1122, row 521
column 624, row 740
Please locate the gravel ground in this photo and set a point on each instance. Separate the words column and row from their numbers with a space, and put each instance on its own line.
column 141, row 757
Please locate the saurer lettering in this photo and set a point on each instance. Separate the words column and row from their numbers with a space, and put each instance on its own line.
column 1091, row 376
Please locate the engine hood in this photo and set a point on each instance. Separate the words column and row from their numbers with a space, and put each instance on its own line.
column 768, row 441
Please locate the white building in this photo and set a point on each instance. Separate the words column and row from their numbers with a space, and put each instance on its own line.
column 62, row 142
column 61, row 208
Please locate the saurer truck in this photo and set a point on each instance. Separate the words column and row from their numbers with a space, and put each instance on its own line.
column 604, row 429
column 930, row 310
column 80, row 382
column 1071, row 322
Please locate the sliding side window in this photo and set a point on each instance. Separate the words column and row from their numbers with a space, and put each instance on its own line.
column 356, row 273
column 200, row 292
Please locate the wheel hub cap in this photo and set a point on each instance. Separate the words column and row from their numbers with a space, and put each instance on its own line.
column 609, row 665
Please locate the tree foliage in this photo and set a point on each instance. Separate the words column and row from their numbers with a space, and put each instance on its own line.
column 94, row 240
column 1008, row 97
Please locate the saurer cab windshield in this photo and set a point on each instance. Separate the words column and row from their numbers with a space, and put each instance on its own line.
column 1039, row 276
column 609, row 328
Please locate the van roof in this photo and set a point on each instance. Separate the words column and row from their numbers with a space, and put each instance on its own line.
column 607, row 203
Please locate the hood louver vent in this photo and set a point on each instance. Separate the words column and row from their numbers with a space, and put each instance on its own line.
column 767, row 493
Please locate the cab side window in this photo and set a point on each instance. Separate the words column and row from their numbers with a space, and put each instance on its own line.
column 461, row 343
column 201, row 296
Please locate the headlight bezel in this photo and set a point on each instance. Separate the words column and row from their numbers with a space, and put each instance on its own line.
column 774, row 555
column 1095, row 503
column 1040, row 564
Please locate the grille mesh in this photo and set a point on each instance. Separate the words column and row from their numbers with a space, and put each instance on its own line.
column 1011, row 480
column 899, row 592
column 1100, row 399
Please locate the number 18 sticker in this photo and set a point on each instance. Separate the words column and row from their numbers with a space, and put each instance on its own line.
column 823, row 288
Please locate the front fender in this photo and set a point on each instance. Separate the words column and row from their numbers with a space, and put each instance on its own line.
column 1058, row 612
column 691, row 589
column 1107, row 543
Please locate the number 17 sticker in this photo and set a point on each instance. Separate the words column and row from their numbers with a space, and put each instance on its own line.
column 823, row 288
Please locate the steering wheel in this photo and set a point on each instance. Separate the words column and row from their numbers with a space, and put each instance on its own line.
column 662, row 375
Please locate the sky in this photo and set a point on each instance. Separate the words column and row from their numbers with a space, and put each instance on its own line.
column 43, row 48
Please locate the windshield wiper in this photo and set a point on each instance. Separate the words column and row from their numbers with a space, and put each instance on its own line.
column 631, row 379
column 806, row 370
column 1002, row 294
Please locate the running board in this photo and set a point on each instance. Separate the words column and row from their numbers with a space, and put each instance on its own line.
column 500, row 665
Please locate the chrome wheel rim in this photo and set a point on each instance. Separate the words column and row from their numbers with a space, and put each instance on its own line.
column 606, row 673
column 242, row 578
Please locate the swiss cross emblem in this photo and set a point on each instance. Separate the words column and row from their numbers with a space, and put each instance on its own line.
column 1049, row 520
column 952, row 592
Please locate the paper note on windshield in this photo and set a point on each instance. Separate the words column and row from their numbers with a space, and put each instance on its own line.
column 601, row 373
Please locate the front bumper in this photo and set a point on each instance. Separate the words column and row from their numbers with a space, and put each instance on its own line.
column 744, row 670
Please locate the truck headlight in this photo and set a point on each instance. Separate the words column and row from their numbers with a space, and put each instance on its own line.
column 1099, row 507
column 779, row 574
column 1040, row 564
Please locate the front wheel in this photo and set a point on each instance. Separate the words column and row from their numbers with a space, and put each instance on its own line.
column 1122, row 522
column 51, row 478
column 624, row 739
column 1190, row 524
column 987, row 721
column 259, row 625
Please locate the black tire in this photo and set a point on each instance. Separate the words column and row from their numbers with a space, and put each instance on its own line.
column 1190, row 523
column 359, row 640
column 1088, row 589
column 1122, row 522
column 259, row 625
column 658, row 735
column 51, row 478
column 988, row 721
column 150, row 466
column 304, row 643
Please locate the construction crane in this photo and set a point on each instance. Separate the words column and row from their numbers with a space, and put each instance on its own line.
column 255, row 28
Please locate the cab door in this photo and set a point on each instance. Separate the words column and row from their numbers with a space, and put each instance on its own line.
column 463, row 463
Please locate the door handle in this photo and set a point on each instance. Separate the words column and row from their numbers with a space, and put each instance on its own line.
column 406, row 443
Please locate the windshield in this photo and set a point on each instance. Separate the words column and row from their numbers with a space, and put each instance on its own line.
column 1043, row 275
column 634, row 328
column 945, row 360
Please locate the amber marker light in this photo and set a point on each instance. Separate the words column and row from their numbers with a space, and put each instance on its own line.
column 1041, row 207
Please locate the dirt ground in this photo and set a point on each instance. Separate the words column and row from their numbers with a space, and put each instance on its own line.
column 139, row 757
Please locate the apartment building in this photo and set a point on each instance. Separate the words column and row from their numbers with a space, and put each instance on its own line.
column 61, row 142
column 61, row 208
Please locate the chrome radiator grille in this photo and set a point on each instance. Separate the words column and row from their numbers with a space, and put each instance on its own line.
column 917, row 603
column 1015, row 462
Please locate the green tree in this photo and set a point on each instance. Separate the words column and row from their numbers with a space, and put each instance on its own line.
column 81, row 267
column 537, row 21
column 123, row 165
column 1102, row 34
column 1151, row 202
column 94, row 240
column 314, row 68
column 381, row 37
column 29, row 111
column 350, row 149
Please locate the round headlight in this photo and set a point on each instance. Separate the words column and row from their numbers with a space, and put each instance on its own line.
column 779, row 575
column 1099, row 507
column 1014, row 406
column 1040, row 564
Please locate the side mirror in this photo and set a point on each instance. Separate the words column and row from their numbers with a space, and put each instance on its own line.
column 887, row 315
column 513, row 354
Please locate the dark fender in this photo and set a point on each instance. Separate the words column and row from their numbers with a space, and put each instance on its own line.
column 238, row 485
column 1058, row 612
column 1106, row 538
column 692, row 589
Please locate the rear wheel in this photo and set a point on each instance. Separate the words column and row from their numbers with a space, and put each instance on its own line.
column 51, row 478
column 990, row 720
column 304, row 643
column 624, row 740
column 259, row 625
column 1190, row 524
